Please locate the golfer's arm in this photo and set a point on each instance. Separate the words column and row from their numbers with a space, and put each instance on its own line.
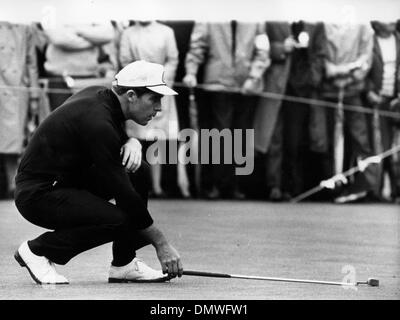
column 103, row 145
column 153, row 235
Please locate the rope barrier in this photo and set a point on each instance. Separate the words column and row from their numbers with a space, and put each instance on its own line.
column 316, row 102
column 341, row 177
column 330, row 183
column 270, row 95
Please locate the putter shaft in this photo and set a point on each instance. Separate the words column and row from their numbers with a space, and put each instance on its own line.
column 238, row 276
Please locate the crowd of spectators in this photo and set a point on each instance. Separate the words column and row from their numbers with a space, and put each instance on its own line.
column 315, row 94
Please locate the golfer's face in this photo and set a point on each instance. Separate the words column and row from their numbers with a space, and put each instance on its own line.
column 145, row 108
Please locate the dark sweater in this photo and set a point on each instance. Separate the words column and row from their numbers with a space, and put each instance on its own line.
column 87, row 130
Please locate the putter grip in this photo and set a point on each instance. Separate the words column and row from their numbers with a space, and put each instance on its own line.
column 206, row 274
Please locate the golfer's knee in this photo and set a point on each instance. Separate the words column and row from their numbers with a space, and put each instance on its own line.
column 119, row 221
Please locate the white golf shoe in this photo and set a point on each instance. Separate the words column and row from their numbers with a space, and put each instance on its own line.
column 41, row 269
column 136, row 271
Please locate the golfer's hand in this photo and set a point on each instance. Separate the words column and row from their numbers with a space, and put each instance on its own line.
column 131, row 153
column 170, row 260
column 190, row 80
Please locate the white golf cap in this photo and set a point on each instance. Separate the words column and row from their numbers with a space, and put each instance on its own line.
column 144, row 74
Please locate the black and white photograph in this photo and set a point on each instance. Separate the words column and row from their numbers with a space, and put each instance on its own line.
column 199, row 155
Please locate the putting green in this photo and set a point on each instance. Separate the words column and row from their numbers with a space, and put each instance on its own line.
column 306, row 241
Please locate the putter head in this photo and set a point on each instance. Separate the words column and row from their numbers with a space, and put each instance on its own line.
column 373, row 282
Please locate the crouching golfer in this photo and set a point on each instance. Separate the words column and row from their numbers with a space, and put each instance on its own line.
column 78, row 159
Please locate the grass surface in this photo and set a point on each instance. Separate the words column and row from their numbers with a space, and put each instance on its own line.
column 306, row 241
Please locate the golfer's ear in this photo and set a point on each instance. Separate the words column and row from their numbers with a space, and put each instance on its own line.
column 131, row 95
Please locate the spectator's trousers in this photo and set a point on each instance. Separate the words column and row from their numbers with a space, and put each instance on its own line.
column 357, row 144
column 229, row 111
column 388, row 136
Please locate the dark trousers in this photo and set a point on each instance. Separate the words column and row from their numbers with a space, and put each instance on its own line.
column 274, row 156
column 82, row 219
column 228, row 111
column 58, row 91
column 296, row 129
column 387, row 136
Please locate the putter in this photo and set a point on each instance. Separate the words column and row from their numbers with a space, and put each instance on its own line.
column 370, row 282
